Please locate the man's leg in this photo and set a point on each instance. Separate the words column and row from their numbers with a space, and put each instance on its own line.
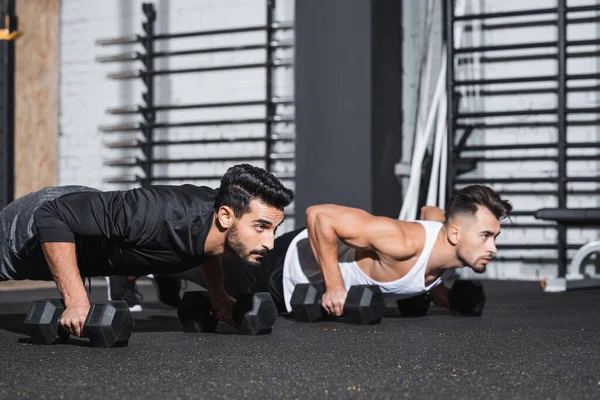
column 125, row 288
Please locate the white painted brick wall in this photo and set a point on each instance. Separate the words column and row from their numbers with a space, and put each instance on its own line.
column 531, row 135
column 413, row 38
column 85, row 91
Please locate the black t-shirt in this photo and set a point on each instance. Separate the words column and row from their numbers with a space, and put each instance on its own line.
column 157, row 229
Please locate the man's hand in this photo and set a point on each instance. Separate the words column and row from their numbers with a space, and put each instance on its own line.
column 333, row 301
column 223, row 305
column 439, row 294
column 73, row 319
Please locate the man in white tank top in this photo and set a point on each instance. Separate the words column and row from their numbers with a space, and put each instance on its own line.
column 344, row 246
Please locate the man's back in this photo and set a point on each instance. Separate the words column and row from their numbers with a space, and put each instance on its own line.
column 161, row 227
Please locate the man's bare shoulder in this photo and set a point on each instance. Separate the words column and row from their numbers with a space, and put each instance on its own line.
column 397, row 239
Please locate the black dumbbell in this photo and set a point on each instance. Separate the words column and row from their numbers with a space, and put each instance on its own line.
column 253, row 313
column 364, row 305
column 467, row 298
column 108, row 324
column 415, row 306
column 196, row 313
column 306, row 302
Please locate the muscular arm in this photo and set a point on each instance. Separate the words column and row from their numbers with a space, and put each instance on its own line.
column 63, row 266
column 62, row 262
column 440, row 296
column 213, row 275
column 93, row 214
column 430, row 213
column 328, row 223
column 221, row 301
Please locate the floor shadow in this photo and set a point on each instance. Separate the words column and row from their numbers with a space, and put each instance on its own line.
column 73, row 341
column 157, row 323
column 13, row 323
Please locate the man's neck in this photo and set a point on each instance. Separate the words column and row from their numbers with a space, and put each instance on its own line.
column 443, row 255
column 215, row 240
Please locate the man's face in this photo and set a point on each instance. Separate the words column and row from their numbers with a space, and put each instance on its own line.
column 476, row 238
column 250, row 237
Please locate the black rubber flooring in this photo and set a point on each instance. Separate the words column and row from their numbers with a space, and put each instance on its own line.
column 527, row 345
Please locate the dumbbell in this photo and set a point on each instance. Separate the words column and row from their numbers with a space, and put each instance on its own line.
column 364, row 305
column 415, row 306
column 467, row 298
column 108, row 324
column 253, row 313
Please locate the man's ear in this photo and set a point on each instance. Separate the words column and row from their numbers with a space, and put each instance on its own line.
column 453, row 234
column 225, row 217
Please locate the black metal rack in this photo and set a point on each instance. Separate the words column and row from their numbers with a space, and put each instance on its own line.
column 8, row 23
column 149, row 109
column 464, row 125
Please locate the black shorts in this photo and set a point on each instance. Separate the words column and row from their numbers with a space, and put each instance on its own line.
column 239, row 278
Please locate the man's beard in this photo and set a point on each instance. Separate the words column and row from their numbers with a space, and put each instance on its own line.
column 237, row 248
column 466, row 262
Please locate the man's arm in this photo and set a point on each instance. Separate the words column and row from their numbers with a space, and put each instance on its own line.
column 63, row 266
column 431, row 213
column 329, row 223
column 213, row 275
column 57, row 222
column 221, row 301
column 439, row 295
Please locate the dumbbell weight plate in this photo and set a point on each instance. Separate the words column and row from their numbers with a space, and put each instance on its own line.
column 195, row 312
column 255, row 313
column 365, row 305
column 43, row 322
column 109, row 324
column 306, row 302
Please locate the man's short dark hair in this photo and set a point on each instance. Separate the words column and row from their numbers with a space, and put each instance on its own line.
column 468, row 199
column 243, row 183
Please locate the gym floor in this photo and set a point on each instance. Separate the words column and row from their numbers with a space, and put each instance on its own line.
column 528, row 344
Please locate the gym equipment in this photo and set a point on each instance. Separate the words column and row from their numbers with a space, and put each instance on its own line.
column 276, row 120
column 108, row 324
column 415, row 306
column 195, row 312
column 575, row 277
column 364, row 305
column 253, row 313
column 467, row 298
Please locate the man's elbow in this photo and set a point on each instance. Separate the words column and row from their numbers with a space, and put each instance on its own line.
column 311, row 213
column 424, row 212
column 315, row 214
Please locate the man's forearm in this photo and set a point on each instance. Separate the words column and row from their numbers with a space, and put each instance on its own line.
column 430, row 213
column 439, row 295
column 324, row 244
column 213, row 275
column 62, row 261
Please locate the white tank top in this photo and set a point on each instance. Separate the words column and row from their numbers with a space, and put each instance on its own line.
column 300, row 266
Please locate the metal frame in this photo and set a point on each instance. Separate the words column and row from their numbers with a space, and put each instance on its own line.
column 576, row 277
column 7, row 102
column 149, row 115
column 149, row 109
column 557, row 84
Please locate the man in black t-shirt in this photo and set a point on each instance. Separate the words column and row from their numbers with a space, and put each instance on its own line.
column 69, row 233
